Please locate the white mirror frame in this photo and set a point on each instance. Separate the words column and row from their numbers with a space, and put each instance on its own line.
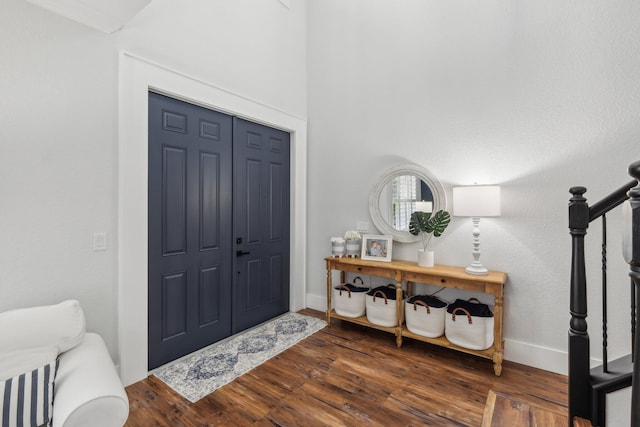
column 439, row 198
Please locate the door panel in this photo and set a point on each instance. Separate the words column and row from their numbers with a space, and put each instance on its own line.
column 261, row 223
column 174, row 291
column 210, row 285
column 253, row 196
column 190, row 240
column 209, row 200
column 174, row 200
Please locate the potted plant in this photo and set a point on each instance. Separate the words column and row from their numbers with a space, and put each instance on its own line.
column 424, row 224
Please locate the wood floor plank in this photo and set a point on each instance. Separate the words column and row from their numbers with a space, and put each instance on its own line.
column 349, row 375
column 503, row 410
column 439, row 403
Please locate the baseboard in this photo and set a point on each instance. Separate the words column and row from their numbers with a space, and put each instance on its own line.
column 317, row 302
column 536, row 356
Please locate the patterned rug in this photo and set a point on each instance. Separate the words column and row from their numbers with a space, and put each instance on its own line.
column 203, row 372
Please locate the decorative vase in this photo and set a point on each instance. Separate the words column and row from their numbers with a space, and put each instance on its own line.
column 425, row 258
column 353, row 247
column 337, row 249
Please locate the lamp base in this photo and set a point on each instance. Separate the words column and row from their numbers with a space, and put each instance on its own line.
column 477, row 270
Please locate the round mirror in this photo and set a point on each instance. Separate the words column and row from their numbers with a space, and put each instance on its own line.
column 400, row 191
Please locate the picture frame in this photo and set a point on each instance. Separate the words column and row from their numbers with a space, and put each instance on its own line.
column 377, row 247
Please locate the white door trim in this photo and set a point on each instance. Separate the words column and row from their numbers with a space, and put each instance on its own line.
column 136, row 77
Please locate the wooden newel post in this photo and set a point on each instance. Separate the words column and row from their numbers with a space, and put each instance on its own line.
column 579, row 383
column 632, row 256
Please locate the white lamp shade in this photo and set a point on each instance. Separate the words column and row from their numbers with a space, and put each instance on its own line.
column 476, row 201
column 424, row 206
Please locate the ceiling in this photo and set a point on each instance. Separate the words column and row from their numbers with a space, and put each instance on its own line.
column 105, row 15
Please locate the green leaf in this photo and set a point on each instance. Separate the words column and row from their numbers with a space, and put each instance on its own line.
column 424, row 222
column 419, row 222
column 438, row 223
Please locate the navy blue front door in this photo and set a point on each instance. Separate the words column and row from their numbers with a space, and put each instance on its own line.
column 218, row 261
column 190, row 199
column 261, row 228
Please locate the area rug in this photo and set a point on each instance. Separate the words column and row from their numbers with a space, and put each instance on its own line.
column 203, row 372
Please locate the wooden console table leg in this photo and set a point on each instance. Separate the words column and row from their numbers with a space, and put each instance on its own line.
column 497, row 361
column 328, row 294
column 399, row 310
column 497, row 335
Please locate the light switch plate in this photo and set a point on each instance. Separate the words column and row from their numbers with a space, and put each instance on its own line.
column 99, row 241
column 362, row 226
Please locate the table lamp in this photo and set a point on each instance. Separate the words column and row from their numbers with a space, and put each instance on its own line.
column 476, row 201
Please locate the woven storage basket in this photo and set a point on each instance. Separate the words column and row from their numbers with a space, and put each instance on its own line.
column 349, row 299
column 425, row 315
column 381, row 306
column 469, row 324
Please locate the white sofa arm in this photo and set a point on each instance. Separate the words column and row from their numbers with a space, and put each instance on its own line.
column 88, row 390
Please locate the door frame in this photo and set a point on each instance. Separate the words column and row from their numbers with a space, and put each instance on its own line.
column 136, row 77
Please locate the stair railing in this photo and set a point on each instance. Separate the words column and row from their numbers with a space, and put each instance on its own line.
column 587, row 390
column 632, row 256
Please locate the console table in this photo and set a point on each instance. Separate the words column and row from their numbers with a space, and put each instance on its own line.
column 440, row 275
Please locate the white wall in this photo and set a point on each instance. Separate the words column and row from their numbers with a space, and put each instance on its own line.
column 534, row 96
column 253, row 48
column 59, row 93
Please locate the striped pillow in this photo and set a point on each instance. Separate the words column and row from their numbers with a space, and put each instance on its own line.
column 26, row 399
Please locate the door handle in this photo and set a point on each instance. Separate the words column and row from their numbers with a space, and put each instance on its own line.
column 240, row 253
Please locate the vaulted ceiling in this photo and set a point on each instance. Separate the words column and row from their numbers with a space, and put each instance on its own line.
column 104, row 15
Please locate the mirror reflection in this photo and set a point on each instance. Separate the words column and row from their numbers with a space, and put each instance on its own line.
column 402, row 196
column 400, row 191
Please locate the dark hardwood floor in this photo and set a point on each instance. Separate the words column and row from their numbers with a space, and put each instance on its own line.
column 349, row 375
